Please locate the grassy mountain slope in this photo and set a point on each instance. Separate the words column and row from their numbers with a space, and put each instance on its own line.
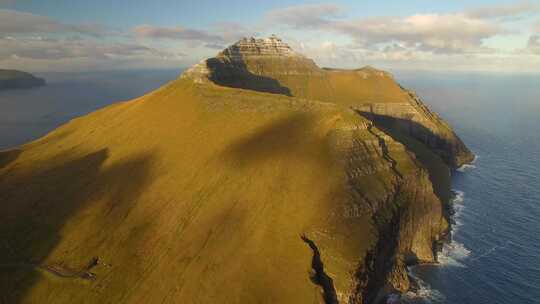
column 203, row 193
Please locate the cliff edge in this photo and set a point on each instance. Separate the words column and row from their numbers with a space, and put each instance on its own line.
column 255, row 177
column 270, row 65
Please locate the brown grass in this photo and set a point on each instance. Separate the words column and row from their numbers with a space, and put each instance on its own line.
column 187, row 195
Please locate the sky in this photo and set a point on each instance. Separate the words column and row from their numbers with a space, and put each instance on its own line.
column 451, row 35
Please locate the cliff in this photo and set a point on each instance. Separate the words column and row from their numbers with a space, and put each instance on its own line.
column 12, row 79
column 242, row 181
column 270, row 65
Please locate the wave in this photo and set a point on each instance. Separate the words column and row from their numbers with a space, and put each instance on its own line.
column 454, row 252
column 467, row 167
column 459, row 196
column 491, row 250
column 457, row 208
column 423, row 293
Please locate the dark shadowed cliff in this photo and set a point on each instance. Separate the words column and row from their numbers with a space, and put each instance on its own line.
column 255, row 177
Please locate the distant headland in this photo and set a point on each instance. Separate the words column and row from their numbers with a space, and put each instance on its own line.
column 13, row 79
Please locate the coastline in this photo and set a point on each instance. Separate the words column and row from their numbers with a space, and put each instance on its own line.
column 444, row 249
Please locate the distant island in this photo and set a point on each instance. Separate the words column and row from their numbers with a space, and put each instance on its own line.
column 13, row 79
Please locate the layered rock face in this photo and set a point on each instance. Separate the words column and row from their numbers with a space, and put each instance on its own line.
column 416, row 120
column 254, row 64
column 240, row 182
column 270, row 65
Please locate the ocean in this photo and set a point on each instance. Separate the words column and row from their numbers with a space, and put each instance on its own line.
column 494, row 256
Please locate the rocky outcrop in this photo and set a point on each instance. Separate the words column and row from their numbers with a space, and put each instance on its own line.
column 409, row 220
column 251, row 47
column 253, row 64
column 416, row 120
column 12, row 79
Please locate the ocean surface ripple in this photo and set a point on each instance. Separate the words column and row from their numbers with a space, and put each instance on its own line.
column 494, row 255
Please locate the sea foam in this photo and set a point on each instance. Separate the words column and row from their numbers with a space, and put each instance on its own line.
column 467, row 167
column 457, row 207
column 424, row 294
column 454, row 253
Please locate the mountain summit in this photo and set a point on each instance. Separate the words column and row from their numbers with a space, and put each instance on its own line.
column 255, row 64
column 251, row 47
column 255, row 177
column 270, row 65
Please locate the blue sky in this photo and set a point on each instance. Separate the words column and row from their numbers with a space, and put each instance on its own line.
column 75, row 35
column 126, row 13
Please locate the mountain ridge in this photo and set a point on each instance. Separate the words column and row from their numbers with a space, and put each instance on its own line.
column 228, row 191
column 281, row 70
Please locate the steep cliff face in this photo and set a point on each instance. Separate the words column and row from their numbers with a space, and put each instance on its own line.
column 255, row 64
column 270, row 65
column 228, row 184
column 414, row 119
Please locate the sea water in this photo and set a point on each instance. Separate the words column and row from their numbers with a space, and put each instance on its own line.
column 494, row 256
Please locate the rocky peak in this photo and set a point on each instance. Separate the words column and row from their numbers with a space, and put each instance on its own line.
column 249, row 47
column 255, row 64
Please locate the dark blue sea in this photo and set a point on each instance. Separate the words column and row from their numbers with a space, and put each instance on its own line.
column 495, row 253
column 28, row 114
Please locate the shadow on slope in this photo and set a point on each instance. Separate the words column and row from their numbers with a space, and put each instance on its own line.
column 291, row 136
column 319, row 277
column 421, row 145
column 235, row 74
column 37, row 204
column 8, row 156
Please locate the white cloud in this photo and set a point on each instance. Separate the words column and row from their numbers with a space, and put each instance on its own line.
column 8, row 2
column 41, row 43
column 325, row 32
column 439, row 33
column 176, row 33
column 536, row 27
column 45, row 54
column 219, row 35
column 451, row 33
column 514, row 10
column 15, row 22
column 455, row 41
column 233, row 31
column 305, row 16
column 56, row 49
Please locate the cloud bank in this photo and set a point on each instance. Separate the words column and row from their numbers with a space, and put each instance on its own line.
column 325, row 32
column 428, row 38
column 514, row 10
column 180, row 33
column 15, row 22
